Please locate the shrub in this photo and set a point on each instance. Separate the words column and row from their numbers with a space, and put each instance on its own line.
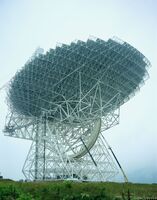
column 25, row 197
column 8, row 192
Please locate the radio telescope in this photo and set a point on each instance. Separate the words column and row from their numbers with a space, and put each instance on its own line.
column 65, row 99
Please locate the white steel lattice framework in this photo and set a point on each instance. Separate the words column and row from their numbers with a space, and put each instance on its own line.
column 64, row 101
column 68, row 150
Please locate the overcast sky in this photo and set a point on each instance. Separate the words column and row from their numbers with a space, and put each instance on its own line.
column 27, row 24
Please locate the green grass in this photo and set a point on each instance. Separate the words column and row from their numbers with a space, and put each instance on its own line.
column 66, row 190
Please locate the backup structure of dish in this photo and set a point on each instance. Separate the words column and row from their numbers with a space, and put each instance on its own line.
column 64, row 101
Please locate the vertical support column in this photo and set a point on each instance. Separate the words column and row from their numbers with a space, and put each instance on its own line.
column 44, row 144
column 36, row 151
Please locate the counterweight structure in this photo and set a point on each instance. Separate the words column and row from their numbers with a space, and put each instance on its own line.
column 65, row 99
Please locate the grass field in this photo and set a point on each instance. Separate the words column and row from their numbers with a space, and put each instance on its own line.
column 66, row 190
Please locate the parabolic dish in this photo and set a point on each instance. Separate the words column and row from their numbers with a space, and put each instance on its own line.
column 63, row 74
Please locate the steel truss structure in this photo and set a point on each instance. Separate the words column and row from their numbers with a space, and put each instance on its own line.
column 65, row 100
column 69, row 150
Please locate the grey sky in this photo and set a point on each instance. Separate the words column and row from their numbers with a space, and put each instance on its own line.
column 25, row 25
